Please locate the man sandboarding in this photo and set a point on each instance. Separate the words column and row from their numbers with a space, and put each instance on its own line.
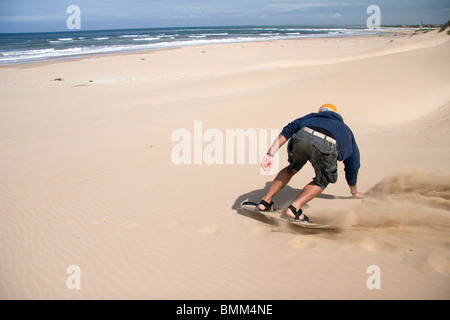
column 321, row 138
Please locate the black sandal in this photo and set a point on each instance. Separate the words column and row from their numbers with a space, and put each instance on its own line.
column 267, row 206
column 298, row 214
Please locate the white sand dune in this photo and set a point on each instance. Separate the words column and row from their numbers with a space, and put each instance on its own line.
column 88, row 177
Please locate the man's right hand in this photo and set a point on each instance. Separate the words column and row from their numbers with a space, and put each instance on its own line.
column 266, row 163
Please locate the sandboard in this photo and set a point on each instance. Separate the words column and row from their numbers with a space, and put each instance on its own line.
column 252, row 208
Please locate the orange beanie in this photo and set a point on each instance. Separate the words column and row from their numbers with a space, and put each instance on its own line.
column 327, row 107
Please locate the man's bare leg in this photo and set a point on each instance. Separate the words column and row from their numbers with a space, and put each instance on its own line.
column 280, row 181
column 308, row 193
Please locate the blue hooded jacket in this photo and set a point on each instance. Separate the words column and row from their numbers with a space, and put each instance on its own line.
column 348, row 150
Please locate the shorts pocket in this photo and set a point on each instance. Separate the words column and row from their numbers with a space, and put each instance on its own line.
column 293, row 146
column 325, row 161
column 290, row 150
column 331, row 175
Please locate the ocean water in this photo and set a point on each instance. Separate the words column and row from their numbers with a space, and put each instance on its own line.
column 29, row 47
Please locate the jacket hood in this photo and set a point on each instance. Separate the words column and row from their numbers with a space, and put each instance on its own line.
column 331, row 115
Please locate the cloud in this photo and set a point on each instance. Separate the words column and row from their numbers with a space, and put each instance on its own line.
column 33, row 15
column 288, row 7
column 22, row 18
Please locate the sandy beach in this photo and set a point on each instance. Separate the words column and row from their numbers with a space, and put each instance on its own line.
column 118, row 183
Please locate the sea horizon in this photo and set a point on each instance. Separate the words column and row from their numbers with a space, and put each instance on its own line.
column 18, row 48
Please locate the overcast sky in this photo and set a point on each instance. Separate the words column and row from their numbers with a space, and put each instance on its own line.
column 51, row 15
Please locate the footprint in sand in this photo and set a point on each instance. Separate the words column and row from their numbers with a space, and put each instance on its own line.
column 100, row 221
column 209, row 229
column 261, row 230
column 439, row 263
column 174, row 224
column 302, row 242
column 371, row 244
